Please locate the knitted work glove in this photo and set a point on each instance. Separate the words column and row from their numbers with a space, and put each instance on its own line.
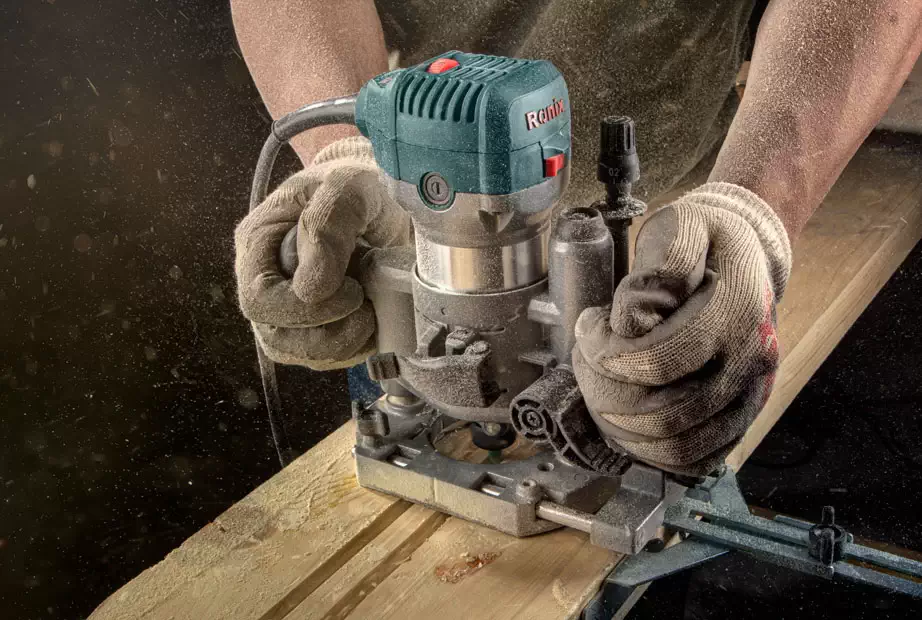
column 318, row 318
column 680, row 364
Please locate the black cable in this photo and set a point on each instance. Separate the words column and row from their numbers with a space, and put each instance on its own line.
column 329, row 112
column 274, row 406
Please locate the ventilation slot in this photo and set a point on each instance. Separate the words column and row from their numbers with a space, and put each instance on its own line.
column 457, row 101
column 427, row 107
column 442, row 104
column 492, row 63
column 463, row 72
column 414, row 105
column 406, row 96
column 469, row 112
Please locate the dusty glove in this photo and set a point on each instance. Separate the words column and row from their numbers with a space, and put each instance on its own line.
column 679, row 366
column 318, row 318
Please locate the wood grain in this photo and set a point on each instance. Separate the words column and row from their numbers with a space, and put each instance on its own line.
column 272, row 549
column 310, row 544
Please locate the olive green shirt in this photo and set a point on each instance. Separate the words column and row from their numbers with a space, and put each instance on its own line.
column 669, row 64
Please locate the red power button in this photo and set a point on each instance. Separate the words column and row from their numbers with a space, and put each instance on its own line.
column 442, row 65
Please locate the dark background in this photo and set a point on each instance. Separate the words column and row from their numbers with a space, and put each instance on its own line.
column 130, row 402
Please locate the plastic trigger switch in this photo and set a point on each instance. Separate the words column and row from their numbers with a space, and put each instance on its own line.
column 554, row 164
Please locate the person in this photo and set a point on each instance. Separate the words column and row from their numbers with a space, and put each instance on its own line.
column 679, row 365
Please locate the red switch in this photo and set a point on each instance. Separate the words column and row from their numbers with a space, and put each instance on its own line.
column 553, row 165
column 442, row 65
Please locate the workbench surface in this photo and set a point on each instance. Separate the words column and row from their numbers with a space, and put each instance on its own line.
column 309, row 543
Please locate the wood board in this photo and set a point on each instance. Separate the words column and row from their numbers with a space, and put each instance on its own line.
column 309, row 543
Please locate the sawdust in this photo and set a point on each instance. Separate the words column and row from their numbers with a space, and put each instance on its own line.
column 562, row 595
column 469, row 564
column 822, row 74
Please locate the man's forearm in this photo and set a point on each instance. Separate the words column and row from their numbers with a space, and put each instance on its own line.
column 299, row 51
column 823, row 73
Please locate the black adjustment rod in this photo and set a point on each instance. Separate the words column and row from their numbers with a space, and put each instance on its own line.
column 619, row 169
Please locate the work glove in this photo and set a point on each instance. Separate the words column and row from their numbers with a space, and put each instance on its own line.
column 680, row 364
column 319, row 317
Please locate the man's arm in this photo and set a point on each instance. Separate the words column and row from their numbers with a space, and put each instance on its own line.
column 823, row 73
column 299, row 51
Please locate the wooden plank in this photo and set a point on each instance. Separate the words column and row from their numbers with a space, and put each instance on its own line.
column 310, row 544
column 348, row 587
column 270, row 550
column 474, row 572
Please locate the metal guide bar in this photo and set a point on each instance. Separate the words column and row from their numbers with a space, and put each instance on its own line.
column 713, row 523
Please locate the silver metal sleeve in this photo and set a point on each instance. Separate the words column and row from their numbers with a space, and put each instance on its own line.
column 482, row 243
column 482, row 270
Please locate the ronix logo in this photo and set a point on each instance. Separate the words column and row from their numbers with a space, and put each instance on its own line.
column 539, row 117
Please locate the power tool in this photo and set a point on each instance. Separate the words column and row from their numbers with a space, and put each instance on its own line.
column 475, row 325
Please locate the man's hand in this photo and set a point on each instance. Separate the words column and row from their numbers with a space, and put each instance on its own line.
column 678, row 367
column 318, row 318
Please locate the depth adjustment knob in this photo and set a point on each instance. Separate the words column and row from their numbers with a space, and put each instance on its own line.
column 618, row 161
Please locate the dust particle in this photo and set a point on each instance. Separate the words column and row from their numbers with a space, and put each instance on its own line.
column 175, row 272
column 107, row 306
column 119, row 134
column 217, row 293
column 31, row 182
column 83, row 242
column 247, row 398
